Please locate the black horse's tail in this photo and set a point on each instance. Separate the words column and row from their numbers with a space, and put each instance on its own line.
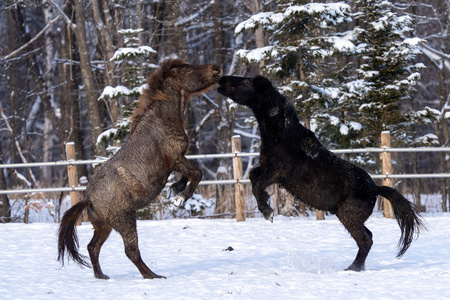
column 407, row 215
column 67, row 234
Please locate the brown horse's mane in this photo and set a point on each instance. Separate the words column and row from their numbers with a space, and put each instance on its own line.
column 153, row 90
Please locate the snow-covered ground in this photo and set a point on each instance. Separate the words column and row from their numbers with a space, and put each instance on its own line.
column 293, row 258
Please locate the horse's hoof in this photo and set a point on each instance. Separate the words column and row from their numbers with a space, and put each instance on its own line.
column 178, row 201
column 271, row 218
column 101, row 276
column 154, row 276
column 356, row 268
column 268, row 215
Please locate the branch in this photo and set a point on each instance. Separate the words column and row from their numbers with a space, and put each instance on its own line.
column 441, row 54
column 33, row 39
column 68, row 21
column 211, row 103
column 202, row 123
column 24, row 160
column 427, row 55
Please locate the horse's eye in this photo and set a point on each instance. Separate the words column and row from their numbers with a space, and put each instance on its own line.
column 247, row 82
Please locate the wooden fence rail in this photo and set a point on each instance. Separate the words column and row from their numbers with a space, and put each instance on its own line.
column 237, row 155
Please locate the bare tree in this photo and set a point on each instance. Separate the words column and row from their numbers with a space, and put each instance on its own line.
column 5, row 207
column 90, row 89
column 107, row 48
column 433, row 25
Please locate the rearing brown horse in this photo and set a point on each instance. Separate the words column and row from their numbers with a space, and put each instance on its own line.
column 137, row 173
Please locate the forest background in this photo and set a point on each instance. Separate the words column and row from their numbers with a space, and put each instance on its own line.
column 71, row 71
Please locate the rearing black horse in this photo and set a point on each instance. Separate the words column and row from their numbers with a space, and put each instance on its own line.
column 292, row 156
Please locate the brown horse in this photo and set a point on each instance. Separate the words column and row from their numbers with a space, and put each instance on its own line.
column 137, row 173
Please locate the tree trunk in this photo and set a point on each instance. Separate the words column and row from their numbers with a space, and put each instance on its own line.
column 107, row 48
column 225, row 195
column 15, row 21
column 5, row 207
column 88, row 78
column 139, row 21
column 259, row 32
column 444, row 136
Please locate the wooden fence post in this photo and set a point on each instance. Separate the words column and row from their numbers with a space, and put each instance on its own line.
column 237, row 173
column 386, row 168
column 73, row 175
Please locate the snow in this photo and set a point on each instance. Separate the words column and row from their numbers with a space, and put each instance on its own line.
column 255, row 55
column 341, row 44
column 262, row 18
column 355, row 125
column 428, row 114
column 331, row 13
column 22, row 178
column 113, row 92
column 106, row 135
column 126, row 52
column 414, row 41
column 427, row 139
column 343, row 129
column 292, row 258
column 130, row 31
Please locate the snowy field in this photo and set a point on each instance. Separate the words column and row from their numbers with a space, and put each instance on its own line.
column 293, row 258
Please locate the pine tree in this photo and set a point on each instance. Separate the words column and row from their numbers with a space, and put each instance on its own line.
column 347, row 86
column 303, row 42
column 129, row 59
column 387, row 74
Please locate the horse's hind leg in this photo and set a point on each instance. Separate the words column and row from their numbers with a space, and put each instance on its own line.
column 354, row 223
column 101, row 233
column 127, row 228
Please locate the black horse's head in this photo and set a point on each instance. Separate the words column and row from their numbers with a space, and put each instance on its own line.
column 244, row 90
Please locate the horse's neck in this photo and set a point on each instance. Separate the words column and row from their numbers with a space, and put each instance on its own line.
column 280, row 121
column 270, row 120
column 177, row 99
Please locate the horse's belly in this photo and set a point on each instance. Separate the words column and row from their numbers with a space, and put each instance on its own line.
column 318, row 196
column 154, row 189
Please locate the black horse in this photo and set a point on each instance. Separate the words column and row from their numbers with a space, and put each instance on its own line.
column 292, row 156
column 137, row 173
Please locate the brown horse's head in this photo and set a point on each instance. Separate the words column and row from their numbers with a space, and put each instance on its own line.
column 175, row 78
column 193, row 79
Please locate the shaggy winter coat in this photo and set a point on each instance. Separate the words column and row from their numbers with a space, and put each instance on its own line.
column 137, row 173
column 292, row 156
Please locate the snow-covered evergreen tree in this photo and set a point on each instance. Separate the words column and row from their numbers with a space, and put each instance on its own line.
column 387, row 73
column 130, row 60
column 346, row 104
column 303, row 41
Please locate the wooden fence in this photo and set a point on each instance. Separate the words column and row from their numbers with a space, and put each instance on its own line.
column 74, row 188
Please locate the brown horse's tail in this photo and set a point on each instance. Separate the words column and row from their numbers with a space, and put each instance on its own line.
column 407, row 215
column 67, row 234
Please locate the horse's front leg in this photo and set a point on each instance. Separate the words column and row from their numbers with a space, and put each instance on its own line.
column 191, row 173
column 261, row 178
column 178, row 187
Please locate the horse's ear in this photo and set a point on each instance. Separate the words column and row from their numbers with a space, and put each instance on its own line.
column 261, row 83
